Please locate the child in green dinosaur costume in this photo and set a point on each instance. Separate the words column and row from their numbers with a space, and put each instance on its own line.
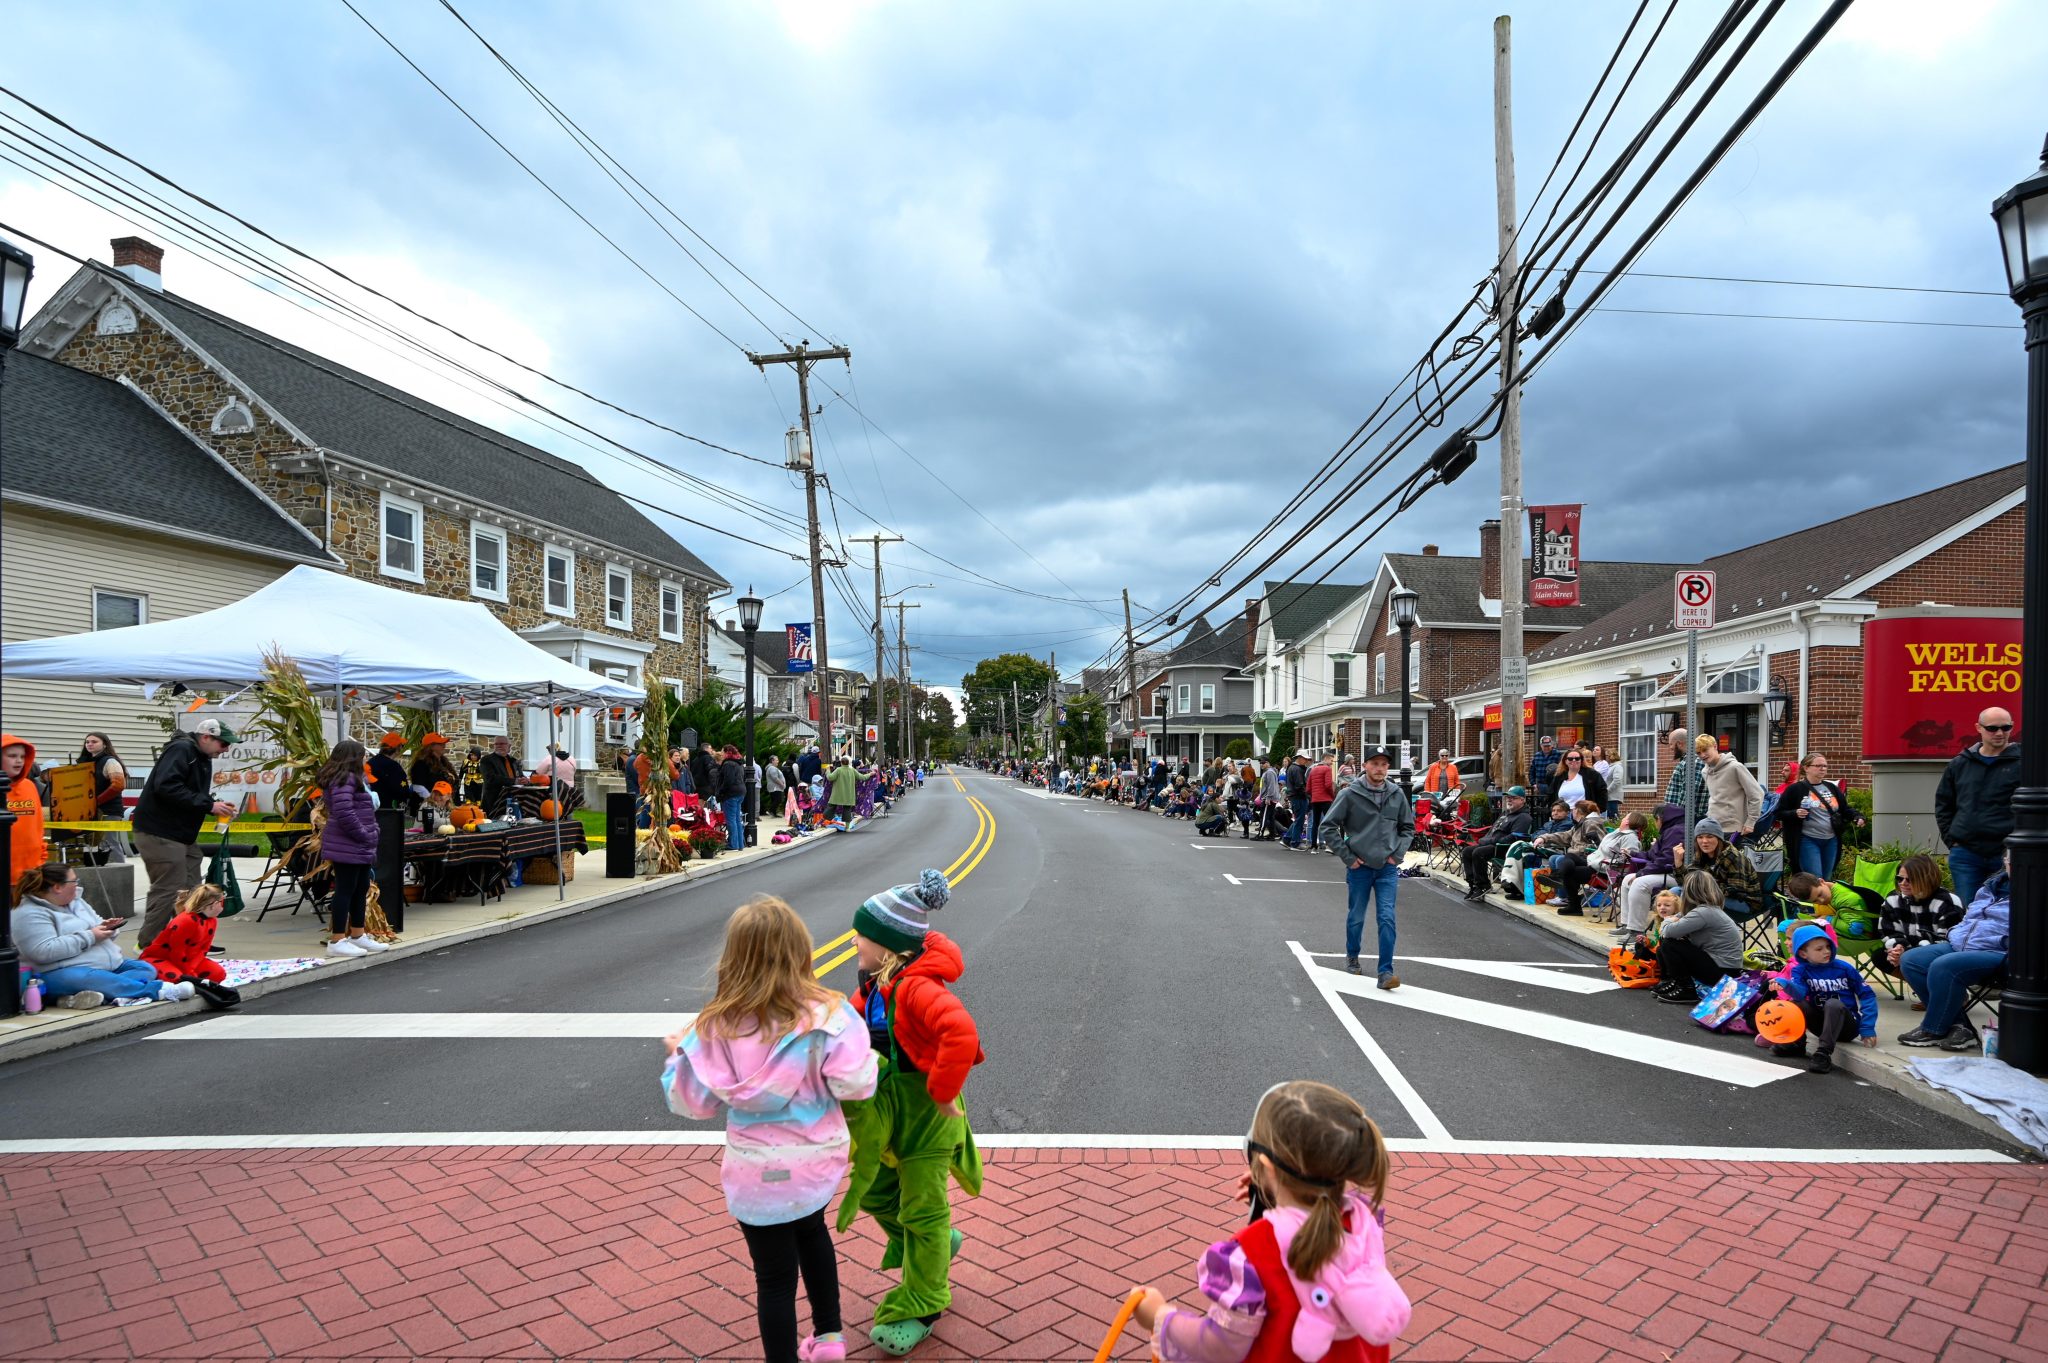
column 913, row 1134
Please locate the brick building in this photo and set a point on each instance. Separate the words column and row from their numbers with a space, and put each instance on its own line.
column 1790, row 629
column 403, row 492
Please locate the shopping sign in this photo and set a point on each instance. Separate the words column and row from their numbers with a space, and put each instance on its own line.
column 1554, row 555
column 1490, row 717
column 1692, row 605
column 1926, row 678
column 799, row 648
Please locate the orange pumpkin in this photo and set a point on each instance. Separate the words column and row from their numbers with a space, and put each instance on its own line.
column 1781, row 1023
column 550, row 810
column 675, row 830
column 539, row 778
column 463, row 816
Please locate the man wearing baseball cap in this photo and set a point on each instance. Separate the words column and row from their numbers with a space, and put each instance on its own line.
column 1369, row 827
column 175, row 802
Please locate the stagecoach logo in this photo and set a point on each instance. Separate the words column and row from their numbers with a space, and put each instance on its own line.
column 799, row 647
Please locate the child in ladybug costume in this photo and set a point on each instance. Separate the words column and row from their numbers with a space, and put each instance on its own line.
column 913, row 1134
column 1307, row 1280
column 180, row 951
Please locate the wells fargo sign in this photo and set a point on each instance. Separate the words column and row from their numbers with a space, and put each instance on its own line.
column 1490, row 717
column 1926, row 678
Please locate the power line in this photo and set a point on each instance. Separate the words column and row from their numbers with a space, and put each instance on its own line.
column 537, row 178
column 1802, row 283
column 1781, row 317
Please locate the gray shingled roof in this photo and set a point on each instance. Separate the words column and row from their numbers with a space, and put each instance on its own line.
column 351, row 413
column 1207, row 647
column 1449, row 587
column 1294, row 608
column 74, row 438
column 1806, row 565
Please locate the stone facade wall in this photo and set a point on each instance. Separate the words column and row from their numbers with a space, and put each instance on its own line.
column 192, row 393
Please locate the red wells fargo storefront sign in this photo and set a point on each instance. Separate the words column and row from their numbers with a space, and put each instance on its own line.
column 1491, row 716
column 1927, row 677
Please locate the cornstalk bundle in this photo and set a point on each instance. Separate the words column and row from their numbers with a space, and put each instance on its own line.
column 659, row 854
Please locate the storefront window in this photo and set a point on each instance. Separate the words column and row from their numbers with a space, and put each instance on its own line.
column 1638, row 735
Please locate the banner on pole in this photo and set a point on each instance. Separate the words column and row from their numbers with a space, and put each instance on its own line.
column 799, row 647
column 1554, row 555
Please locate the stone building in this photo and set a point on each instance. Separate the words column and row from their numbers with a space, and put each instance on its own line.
column 402, row 492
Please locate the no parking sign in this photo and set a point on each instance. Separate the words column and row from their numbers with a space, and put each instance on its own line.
column 1693, row 599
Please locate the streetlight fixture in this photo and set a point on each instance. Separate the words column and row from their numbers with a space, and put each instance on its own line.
column 16, row 266
column 2022, row 217
column 1405, row 603
column 1775, row 700
column 750, row 625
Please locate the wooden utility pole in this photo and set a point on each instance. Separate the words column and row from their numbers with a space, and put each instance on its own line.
column 903, row 678
column 881, row 717
column 1052, row 706
column 1131, row 676
column 803, row 358
column 1514, row 676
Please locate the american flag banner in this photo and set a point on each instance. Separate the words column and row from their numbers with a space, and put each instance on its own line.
column 799, row 647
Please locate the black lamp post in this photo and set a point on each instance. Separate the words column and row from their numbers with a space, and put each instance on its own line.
column 16, row 265
column 750, row 624
column 2022, row 217
column 1403, row 603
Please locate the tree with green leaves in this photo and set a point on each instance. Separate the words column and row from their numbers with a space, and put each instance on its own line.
column 1085, row 731
column 1006, row 678
column 719, row 716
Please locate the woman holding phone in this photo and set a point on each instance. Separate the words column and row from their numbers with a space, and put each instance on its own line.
column 64, row 940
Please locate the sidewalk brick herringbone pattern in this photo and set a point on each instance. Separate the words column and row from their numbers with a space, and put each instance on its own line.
column 619, row 1253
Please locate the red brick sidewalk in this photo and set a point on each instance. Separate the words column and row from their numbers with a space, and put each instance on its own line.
column 614, row 1253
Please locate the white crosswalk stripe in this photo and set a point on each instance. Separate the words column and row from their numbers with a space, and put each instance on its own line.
column 427, row 1026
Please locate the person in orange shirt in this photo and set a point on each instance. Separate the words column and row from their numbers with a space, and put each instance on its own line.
column 1442, row 773
column 24, row 801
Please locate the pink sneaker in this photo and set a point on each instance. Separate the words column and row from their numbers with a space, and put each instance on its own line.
column 814, row 1350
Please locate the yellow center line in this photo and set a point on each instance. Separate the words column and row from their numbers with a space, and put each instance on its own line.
column 957, row 785
column 962, row 867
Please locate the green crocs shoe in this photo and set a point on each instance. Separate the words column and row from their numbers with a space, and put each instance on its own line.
column 899, row 1337
column 958, row 1240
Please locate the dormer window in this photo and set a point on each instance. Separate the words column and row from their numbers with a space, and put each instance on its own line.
column 234, row 419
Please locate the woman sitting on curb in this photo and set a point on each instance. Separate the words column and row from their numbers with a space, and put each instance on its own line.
column 64, row 940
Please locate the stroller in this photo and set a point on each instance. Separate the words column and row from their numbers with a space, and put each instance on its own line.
column 1274, row 820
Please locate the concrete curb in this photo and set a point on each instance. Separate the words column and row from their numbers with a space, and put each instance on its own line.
column 114, row 1021
column 1852, row 1059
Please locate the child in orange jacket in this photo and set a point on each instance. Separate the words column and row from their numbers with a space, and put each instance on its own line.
column 179, row 951
column 913, row 1134
column 17, row 758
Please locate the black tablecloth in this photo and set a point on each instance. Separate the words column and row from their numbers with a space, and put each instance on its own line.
column 484, row 858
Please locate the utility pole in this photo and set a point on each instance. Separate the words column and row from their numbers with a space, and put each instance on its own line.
column 903, row 675
column 1017, row 714
column 800, row 457
column 1131, row 676
column 881, row 717
column 1514, row 677
column 1052, row 706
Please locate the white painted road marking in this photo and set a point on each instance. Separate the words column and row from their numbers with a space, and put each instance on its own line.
column 432, row 1026
column 1520, row 974
column 1418, row 1111
column 428, row 1140
column 1726, row 1067
column 1222, row 847
column 1278, row 880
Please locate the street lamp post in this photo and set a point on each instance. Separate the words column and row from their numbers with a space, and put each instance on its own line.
column 2022, row 217
column 1404, row 603
column 750, row 624
column 16, row 266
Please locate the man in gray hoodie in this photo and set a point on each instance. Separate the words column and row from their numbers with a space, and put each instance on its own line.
column 1369, row 827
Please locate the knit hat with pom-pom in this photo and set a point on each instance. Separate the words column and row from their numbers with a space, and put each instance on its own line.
column 895, row 918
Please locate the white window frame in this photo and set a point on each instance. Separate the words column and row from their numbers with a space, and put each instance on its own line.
column 1294, row 677
column 616, row 730
column 1414, row 664
column 1638, row 746
column 480, row 533
column 1208, row 698
column 141, row 600
column 1340, row 677
column 550, row 555
column 386, row 503
column 480, row 723
column 1181, row 697
column 1379, row 674
column 669, row 591
column 612, row 571
column 1736, row 681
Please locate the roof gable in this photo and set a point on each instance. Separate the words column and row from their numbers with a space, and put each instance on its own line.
column 80, row 442
column 1294, row 608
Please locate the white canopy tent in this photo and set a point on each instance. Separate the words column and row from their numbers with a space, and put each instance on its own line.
column 353, row 638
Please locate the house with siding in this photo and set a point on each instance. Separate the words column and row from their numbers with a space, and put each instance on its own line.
column 397, row 490
column 112, row 515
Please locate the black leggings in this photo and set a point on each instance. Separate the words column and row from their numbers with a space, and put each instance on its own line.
column 1678, row 959
column 780, row 1253
column 351, row 897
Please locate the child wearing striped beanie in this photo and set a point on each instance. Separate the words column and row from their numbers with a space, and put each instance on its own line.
column 913, row 1134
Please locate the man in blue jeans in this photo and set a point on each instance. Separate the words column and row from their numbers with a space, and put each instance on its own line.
column 1296, row 779
column 1369, row 827
column 1942, row 973
column 1973, row 803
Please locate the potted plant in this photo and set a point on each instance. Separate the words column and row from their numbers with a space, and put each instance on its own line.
column 704, row 843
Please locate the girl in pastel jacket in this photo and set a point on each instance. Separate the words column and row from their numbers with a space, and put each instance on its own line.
column 1307, row 1279
column 776, row 1052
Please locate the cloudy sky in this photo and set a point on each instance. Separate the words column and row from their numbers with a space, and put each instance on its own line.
column 1116, row 278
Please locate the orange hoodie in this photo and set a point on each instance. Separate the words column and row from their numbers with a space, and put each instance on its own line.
column 25, row 802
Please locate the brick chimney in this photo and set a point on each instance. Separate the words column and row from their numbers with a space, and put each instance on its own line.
column 142, row 261
column 1429, row 551
column 1251, row 629
column 1489, row 560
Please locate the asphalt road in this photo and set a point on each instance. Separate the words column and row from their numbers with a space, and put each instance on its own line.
column 1129, row 978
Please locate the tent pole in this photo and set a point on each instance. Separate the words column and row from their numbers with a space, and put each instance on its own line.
column 340, row 714
column 561, row 804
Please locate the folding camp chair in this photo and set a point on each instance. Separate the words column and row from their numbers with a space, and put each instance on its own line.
column 1988, row 993
column 288, row 867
